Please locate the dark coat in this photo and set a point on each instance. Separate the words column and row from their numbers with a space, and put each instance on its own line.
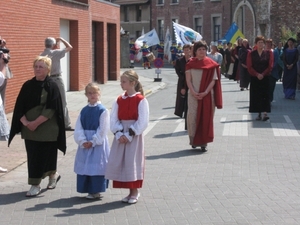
column 30, row 97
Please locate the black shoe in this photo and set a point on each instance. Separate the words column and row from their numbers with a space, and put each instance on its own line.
column 265, row 118
column 204, row 149
column 69, row 128
column 193, row 146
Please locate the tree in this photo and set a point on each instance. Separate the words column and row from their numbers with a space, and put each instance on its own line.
column 287, row 33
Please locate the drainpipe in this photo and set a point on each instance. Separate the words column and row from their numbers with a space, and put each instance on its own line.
column 150, row 14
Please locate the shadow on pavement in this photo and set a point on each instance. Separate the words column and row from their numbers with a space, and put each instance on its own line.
column 167, row 118
column 73, row 201
column 166, row 135
column 93, row 209
column 172, row 118
column 12, row 198
column 178, row 154
column 171, row 107
column 237, row 121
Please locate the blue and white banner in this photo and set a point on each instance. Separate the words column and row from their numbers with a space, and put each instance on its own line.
column 167, row 45
column 185, row 35
column 151, row 39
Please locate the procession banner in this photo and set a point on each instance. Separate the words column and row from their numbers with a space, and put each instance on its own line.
column 167, row 45
column 151, row 38
column 185, row 35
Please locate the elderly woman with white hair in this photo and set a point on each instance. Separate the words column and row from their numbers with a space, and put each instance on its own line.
column 37, row 111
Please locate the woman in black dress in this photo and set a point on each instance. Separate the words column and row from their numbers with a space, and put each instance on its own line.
column 259, row 64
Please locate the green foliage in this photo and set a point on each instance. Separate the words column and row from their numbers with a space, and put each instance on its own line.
column 287, row 33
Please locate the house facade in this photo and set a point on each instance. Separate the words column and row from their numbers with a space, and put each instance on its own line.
column 266, row 17
column 135, row 16
column 92, row 27
column 212, row 18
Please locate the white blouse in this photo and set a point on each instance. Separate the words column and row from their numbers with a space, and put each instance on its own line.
column 100, row 134
column 139, row 125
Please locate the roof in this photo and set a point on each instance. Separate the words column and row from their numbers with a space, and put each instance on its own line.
column 129, row 2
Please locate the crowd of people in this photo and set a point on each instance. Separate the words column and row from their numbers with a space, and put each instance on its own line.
column 147, row 56
column 256, row 68
column 41, row 107
column 285, row 64
column 278, row 63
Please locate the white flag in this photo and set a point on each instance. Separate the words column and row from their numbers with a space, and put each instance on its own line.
column 122, row 31
column 167, row 45
column 185, row 35
column 151, row 38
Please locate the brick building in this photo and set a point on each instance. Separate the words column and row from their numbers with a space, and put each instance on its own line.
column 91, row 26
column 135, row 16
column 211, row 18
column 266, row 17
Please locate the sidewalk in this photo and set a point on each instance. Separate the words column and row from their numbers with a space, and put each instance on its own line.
column 15, row 155
column 250, row 174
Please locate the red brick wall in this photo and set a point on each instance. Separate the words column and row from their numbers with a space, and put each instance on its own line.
column 186, row 10
column 284, row 13
column 25, row 24
column 249, row 26
column 281, row 13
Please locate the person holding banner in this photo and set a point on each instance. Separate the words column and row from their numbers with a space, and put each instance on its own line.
column 145, row 50
column 160, row 49
column 205, row 93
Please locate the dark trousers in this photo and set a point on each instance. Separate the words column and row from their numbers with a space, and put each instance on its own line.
column 41, row 160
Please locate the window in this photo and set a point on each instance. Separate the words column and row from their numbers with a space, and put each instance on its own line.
column 173, row 32
column 126, row 13
column 174, row 1
column 138, row 13
column 198, row 24
column 160, row 2
column 138, row 33
column 160, row 24
column 216, row 28
column 80, row 2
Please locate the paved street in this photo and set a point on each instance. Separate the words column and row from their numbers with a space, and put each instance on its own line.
column 250, row 174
